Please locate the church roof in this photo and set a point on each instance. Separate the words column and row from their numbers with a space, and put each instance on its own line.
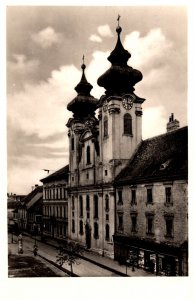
column 119, row 78
column 161, row 158
column 84, row 103
column 59, row 174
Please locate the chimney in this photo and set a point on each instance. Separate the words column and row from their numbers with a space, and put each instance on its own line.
column 173, row 124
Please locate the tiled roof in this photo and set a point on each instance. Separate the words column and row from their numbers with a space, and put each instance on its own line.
column 59, row 174
column 164, row 157
column 28, row 198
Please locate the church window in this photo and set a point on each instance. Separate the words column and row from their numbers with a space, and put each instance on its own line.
column 106, row 172
column 73, row 225
column 80, row 206
column 95, row 206
column 88, row 155
column 127, row 124
column 105, row 126
column 72, row 203
column 120, row 221
column 96, row 230
column 72, row 143
column 106, row 203
column 120, row 197
column 87, row 203
column 107, row 236
column 81, row 231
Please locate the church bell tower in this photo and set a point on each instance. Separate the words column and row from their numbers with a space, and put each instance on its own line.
column 120, row 111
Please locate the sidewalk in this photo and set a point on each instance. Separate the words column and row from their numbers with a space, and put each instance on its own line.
column 105, row 262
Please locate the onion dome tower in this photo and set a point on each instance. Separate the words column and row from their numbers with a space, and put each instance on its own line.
column 83, row 105
column 120, row 78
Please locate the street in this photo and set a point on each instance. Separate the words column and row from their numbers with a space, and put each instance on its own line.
column 82, row 268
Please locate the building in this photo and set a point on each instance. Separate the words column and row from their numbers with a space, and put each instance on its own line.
column 55, row 204
column 12, row 202
column 25, row 218
column 127, row 197
column 151, row 205
column 34, row 207
column 100, row 148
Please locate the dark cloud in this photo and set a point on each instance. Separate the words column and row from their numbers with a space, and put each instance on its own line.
column 20, row 144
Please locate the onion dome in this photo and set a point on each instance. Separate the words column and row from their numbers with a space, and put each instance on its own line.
column 83, row 104
column 120, row 78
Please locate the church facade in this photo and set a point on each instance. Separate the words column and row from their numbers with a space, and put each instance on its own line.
column 100, row 148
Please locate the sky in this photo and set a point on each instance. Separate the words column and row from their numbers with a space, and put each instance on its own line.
column 44, row 49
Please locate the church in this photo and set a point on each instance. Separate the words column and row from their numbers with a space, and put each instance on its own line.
column 127, row 198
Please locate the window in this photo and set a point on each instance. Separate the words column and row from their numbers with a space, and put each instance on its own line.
column 149, row 196
column 81, row 231
column 73, row 226
column 169, row 227
column 72, row 203
column 105, row 126
column 88, row 215
column 106, row 203
column 120, row 221
column 120, row 198
column 88, row 155
column 107, row 217
column 133, row 197
column 106, row 172
column 127, row 124
column 87, row 202
column 72, row 143
column 95, row 206
column 80, row 206
column 57, row 212
column 96, row 230
column 107, row 234
column 133, row 223
column 150, row 225
column 168, row 195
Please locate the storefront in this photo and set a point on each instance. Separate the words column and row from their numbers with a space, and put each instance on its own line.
column 160, row 259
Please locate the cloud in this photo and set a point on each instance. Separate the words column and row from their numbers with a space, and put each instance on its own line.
column 41, row 108
column 20, row 70
column 157, row 124
column 148, row 51
column 95, row 38
column 104, row 30
column 47, row 37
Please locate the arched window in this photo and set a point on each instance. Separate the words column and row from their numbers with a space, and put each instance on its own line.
column 87, row 202
column 95, row 206
column 73, row 203
column 107, row 236
column 105, row 126
column 80, row 206
column 96, row 230
column 106, row 203
column 81, row 231
column 73, row 225
column 72, row 143
column 127, row 124
column 88, row 155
